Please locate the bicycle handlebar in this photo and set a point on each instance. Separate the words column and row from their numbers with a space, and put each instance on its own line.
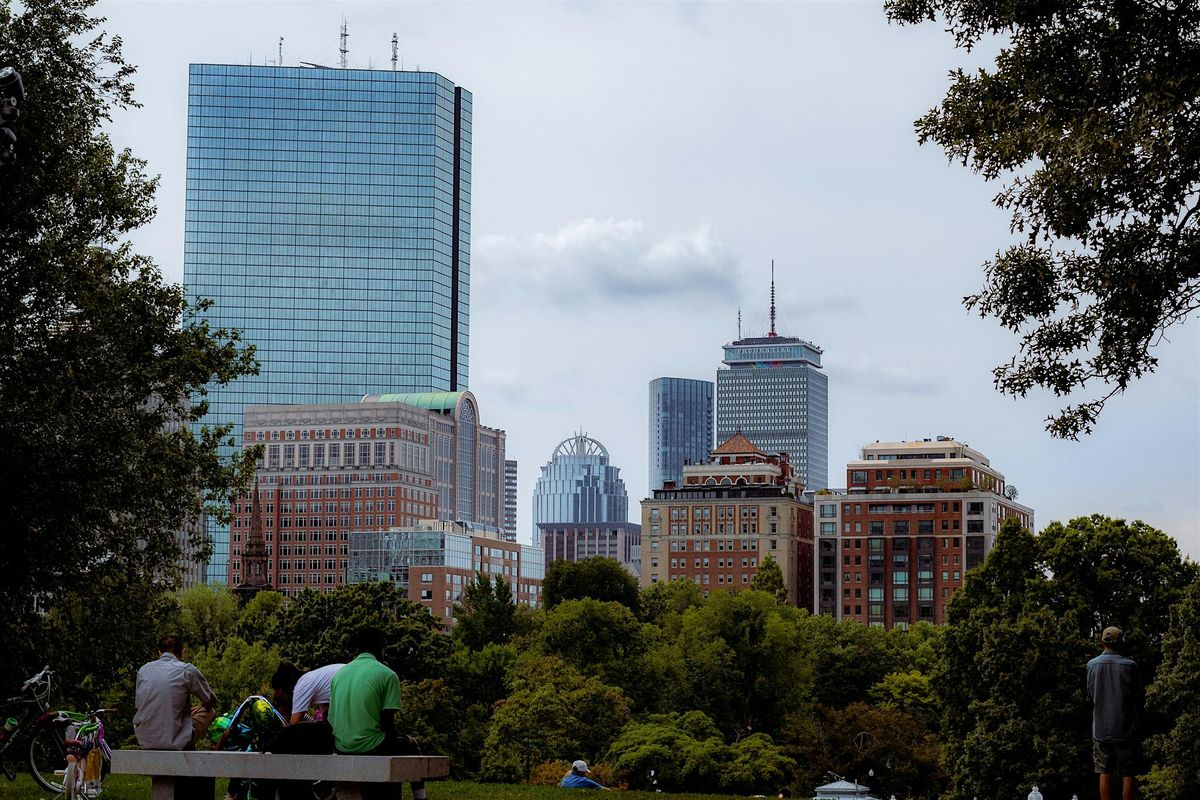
column 36, row 679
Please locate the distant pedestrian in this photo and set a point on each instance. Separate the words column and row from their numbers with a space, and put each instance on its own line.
column 578, row 778
column 1115, row 688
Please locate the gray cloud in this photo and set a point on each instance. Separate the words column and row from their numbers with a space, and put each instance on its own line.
column 605, row 259
column 868, row 372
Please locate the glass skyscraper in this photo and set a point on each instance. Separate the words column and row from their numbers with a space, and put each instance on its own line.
column 775, row 393
column 328, row 218
column 681, row 427
column 579, row 485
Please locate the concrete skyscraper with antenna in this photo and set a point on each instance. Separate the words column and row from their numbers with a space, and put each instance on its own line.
column 774, row 391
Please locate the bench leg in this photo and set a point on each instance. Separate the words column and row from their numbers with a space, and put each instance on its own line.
column 349, row 791
column 162, row 787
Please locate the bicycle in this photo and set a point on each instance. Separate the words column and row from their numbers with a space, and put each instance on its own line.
column 40, row 735
column 88, row 754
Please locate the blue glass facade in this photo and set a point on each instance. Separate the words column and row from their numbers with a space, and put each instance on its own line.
column 775, row 393
column 579, row 485
column 328, row 217
column 681, row 427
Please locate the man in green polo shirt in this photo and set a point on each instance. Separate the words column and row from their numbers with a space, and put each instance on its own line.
column 363, row 699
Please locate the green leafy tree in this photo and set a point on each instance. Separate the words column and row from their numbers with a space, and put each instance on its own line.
column 598, row 578
column 97, row 352
column 663, row 603
column 850, row 657
column 685, row 752
column 600, row 639
column 1011, row 682
column 740, row 661
column 236, row 669
column 858, row 739
column 486, row 614
column 315, row 629
column 1175, row 695
column 554, row 712
column 769, row 579
column 908, row 692
column 208, row 615
column 1084, row 115
column 258, row 618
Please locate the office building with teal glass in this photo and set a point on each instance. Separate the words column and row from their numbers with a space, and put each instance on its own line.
column 681, row 427
column 328, row 219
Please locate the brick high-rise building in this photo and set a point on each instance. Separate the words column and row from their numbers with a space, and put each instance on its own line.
column 389, row 461
column 737, row 508
column 894, row 546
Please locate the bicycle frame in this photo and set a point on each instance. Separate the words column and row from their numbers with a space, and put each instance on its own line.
column 86, row 745
column 27, row 708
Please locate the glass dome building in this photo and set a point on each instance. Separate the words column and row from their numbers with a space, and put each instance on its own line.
column 579, row 484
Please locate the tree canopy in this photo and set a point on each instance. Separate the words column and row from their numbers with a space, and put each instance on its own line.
column 98, row 354
column 597, row 578
column 1089, row 115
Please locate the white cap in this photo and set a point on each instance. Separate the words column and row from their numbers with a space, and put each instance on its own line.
column 580, row 766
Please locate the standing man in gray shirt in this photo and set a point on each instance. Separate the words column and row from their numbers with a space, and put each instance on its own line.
column 1115, row 687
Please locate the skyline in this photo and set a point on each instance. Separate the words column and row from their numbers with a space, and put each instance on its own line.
column 609, row 205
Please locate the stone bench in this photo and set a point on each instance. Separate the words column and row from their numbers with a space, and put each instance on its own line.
column 348, row 772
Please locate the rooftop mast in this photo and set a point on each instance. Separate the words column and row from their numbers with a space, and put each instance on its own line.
column 280, row 61
column 395, row 50
column 772, row 333
column 344, row 38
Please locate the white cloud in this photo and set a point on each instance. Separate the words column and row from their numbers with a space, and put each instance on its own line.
column 607, row 260
column 868, row 372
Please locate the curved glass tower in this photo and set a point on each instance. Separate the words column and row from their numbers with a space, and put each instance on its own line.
column 579, row 485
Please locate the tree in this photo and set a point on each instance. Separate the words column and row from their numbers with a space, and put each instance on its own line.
column 1011, row 682
column 554, row 712
column 740, row 661
column 769, row 579
column 1087, row 114
column 315, row 629
column 686, row 753
column 1175, row 695
column 486, row 614
column 98, row 354
column 600, row 639
column 208, row 615
column 236, row 669
column 598, row 578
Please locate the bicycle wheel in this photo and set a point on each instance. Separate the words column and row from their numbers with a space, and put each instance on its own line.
column 71, row 788
column 48, row 754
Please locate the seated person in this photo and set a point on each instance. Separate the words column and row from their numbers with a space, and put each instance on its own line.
column 297, row 692
column 578, row 778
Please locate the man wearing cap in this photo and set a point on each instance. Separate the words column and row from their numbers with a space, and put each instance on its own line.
column 1115, row 687
column 578, row 778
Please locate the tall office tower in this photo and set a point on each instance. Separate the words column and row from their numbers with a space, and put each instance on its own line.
column 774, row 391
column 681, row 427
column 734, row 509
column 895, row 545
column 510, row 500
column 579, row 484
column 328, row 218
column 332, row 469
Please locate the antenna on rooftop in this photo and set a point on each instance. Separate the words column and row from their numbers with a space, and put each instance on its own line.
column 395, row 50
column 739, row 322
column 772, row 333
column 280, row 62
column 344, row 38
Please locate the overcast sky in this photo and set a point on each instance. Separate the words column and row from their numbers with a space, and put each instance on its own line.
column 636, row 167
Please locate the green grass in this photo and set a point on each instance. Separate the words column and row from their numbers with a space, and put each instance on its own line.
column 130, row 787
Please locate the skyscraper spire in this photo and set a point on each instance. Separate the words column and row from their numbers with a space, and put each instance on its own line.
column 772, row 333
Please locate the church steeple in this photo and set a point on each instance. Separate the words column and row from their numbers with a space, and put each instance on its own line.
column 254, row 554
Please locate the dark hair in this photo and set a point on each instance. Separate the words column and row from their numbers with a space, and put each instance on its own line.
column 367, row 639
column 285, row 676
column 170, row 643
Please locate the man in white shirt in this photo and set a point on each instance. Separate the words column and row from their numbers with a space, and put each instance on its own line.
column 165, row 718
column 296, row 692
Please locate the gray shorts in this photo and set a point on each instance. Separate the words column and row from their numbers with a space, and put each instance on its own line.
column 1117, row 758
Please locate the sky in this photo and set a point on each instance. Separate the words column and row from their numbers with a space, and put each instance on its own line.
column 636, row 166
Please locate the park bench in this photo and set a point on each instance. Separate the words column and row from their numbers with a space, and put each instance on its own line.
column 350, row 773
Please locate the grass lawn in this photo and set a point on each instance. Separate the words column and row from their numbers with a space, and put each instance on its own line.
column 127, row 787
